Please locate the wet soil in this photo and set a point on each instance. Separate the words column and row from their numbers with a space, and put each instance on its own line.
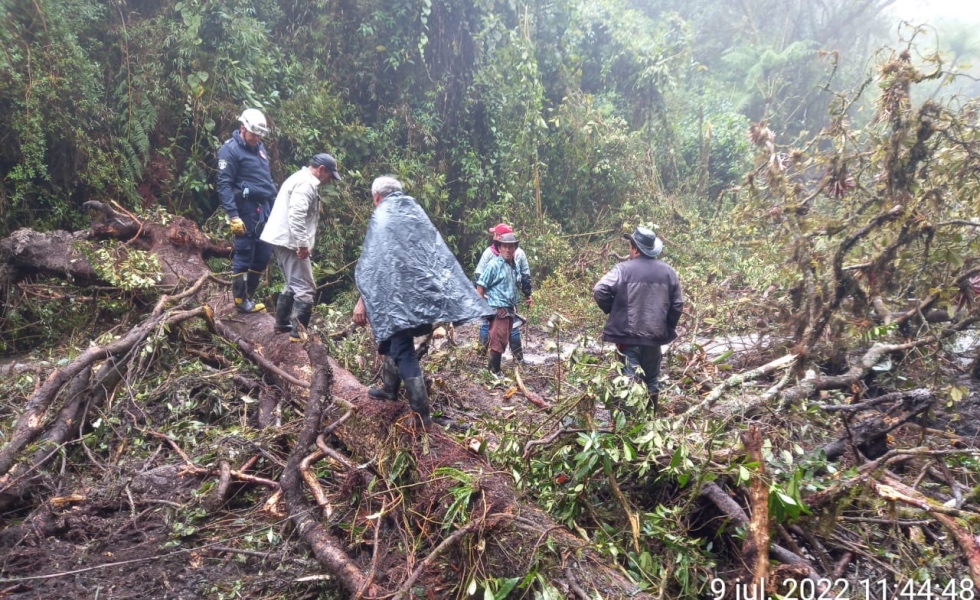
column 139, row 541
column 148, row 537
column 93, row 551
column 463, row 392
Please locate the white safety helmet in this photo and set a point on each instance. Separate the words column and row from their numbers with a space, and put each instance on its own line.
column 253, row 120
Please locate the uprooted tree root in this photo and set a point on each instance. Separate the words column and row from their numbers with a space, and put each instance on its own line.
column 124, row 461
column 407, row 511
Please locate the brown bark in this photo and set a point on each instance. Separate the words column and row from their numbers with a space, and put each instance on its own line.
column 755, row 549
column 18, row 483
column 840, row 286
column 731, row 509
column 378, row 424
column 31, row 422
column 28, row 251
column 807, row 387
column 511, row 532
column 327, row 550
column 892, row 489
column 865, row 433
column 179, row 245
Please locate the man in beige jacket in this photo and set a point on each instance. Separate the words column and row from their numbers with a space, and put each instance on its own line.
column 291, row 231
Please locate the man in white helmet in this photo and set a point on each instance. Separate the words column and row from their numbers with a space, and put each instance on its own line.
column 246, row 192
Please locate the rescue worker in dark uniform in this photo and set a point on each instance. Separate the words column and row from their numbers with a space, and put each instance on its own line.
column 246, row 192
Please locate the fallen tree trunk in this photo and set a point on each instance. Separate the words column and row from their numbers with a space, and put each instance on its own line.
column 870, row 433
column 896, row 491
column 326, row 548
column 755, row 549
column 31, row 422
column 493, row 534
column 510, row 543
column 179, row 245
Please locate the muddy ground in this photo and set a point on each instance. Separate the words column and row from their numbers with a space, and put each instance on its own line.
column 142, row 533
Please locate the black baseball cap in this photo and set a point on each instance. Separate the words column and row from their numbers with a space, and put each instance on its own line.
column 325, row 160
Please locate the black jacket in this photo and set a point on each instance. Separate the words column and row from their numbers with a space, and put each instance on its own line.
column 644, row 302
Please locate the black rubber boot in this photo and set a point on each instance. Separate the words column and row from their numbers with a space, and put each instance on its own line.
column 239, row 289
column 284, row 309
column 300, row 316
column 390, row 381
column 517, row 349
column 493, row 365
column 254, row 279
column 652, row 405
column 418, row 398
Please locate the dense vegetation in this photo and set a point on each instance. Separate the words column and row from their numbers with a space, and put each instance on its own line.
column 817, row 191
column 553, row 114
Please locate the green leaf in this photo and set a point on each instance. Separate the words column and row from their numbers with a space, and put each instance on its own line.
column 628, row 452
column 743, row 475
column 506, row 585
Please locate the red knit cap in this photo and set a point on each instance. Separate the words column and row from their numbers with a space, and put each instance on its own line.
column 500, row 229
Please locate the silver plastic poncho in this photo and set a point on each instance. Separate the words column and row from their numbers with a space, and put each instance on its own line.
column 407, row 276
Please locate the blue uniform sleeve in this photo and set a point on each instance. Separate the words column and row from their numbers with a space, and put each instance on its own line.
column 227, row 176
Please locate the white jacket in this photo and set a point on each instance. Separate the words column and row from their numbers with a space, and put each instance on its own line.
column 296, row 212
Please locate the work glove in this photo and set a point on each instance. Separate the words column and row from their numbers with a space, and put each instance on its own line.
column 237, row 227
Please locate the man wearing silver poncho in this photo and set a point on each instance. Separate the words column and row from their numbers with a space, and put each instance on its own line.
column 408, row 280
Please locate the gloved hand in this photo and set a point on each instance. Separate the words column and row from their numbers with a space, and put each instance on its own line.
column 237, row 227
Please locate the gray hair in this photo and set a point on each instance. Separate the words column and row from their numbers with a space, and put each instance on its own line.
column 385, row 185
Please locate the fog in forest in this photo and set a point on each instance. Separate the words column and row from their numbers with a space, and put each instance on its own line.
column 809, row 171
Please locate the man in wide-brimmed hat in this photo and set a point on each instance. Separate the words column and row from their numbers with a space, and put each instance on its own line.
column 643, row 299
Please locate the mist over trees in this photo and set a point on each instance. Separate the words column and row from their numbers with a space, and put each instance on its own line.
column 550, row 112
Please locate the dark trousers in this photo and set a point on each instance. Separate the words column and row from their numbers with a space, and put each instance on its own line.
column 647, row 358
column 251, row 254
column 401, row 348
